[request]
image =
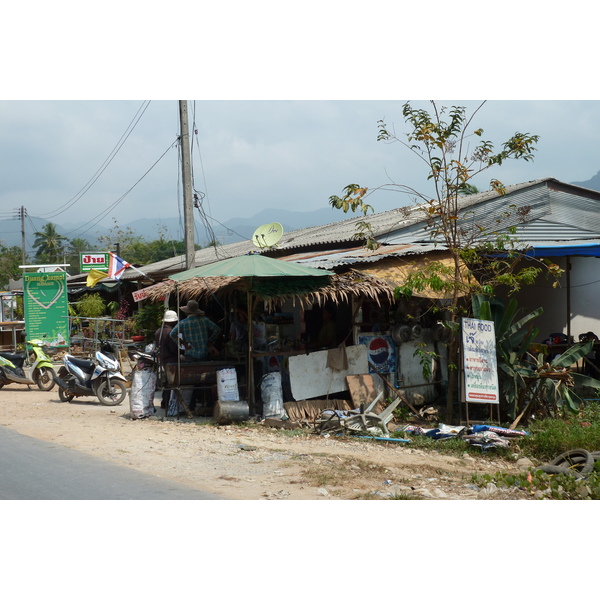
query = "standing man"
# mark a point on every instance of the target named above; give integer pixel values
(196, 331)
(167, 349)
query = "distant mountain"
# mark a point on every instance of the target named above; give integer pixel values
(233, 230)
(236, 229)
(10, 231)
(591, 184)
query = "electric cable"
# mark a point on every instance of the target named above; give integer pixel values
(98, 218)
(102, 167)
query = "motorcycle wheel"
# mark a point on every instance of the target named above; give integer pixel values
(64, 397)
(44, 379)
(111, 393)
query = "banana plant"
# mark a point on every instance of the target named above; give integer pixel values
(527, 380)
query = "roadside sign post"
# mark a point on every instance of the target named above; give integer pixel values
(480, 368)
(46, 307)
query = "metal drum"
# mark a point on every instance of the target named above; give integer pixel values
(230, 412)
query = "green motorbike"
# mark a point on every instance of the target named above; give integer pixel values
(33, 367)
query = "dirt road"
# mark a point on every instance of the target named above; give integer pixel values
(246, 462)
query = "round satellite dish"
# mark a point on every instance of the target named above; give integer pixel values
(267, 236)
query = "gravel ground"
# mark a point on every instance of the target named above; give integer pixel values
(247, 462)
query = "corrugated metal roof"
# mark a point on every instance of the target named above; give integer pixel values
(538, 203)
(338, 258)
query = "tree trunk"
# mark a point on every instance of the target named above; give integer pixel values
(452, 377)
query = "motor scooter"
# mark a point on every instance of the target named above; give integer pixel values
(33, 367)
(100, 377)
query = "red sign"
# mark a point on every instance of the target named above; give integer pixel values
(142, 294)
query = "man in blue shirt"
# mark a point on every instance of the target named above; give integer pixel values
(196, 332)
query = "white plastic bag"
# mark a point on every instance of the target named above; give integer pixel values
(272, 396)
(227, 387)
(141, 394)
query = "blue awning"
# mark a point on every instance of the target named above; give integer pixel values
(566, 250)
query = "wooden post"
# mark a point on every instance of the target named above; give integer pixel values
(250, 366)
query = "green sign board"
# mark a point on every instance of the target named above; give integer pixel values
(46, 307)
(93, 260)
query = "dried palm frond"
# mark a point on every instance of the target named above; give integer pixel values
(341, 287)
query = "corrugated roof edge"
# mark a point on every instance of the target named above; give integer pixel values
(338, 232)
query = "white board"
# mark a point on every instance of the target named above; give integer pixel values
(311, 378)
(479, 361)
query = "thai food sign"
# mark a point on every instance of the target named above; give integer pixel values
(46, 307)
(479, 361)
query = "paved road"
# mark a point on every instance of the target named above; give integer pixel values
(31, 469)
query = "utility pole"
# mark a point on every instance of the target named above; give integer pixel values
(186, 175)
(22, 213)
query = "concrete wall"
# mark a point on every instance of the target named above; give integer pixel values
(585, 299)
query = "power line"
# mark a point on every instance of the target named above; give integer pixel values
(103, 166)
(97, 219)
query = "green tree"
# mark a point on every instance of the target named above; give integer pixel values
(49, 244)
(126, 239)
(145, 253)
(442, 140)
(10, 259)
(73, 249)
(136, 250)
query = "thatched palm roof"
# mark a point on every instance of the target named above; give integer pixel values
(342, 287)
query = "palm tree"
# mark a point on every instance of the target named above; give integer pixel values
(73, 249)
(49, 243)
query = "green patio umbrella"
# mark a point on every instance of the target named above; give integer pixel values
(251, 265)
(265, 276)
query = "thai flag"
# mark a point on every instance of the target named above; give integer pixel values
(116, 266)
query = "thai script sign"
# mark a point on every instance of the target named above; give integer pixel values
(479, 361)
(139, 295)
(93, 260)
(46, 307)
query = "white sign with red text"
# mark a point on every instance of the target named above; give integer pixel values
(139, 295)
(479, 361)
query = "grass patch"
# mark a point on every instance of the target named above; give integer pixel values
(547, 439)
(550, 437)
(544, 486)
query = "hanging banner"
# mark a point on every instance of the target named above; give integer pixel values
(46, 308)
(479, 361)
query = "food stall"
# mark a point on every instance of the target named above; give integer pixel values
(277, 294)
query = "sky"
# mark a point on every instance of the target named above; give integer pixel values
(91, 162)
(285, 103)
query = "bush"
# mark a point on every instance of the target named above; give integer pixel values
(550, 437)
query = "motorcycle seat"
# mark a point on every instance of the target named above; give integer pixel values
(15, 359)
(82, 363)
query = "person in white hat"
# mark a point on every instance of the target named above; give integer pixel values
(197, 331)
(167, 348)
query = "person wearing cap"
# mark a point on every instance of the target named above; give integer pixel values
(196, 332)
(166, 348)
